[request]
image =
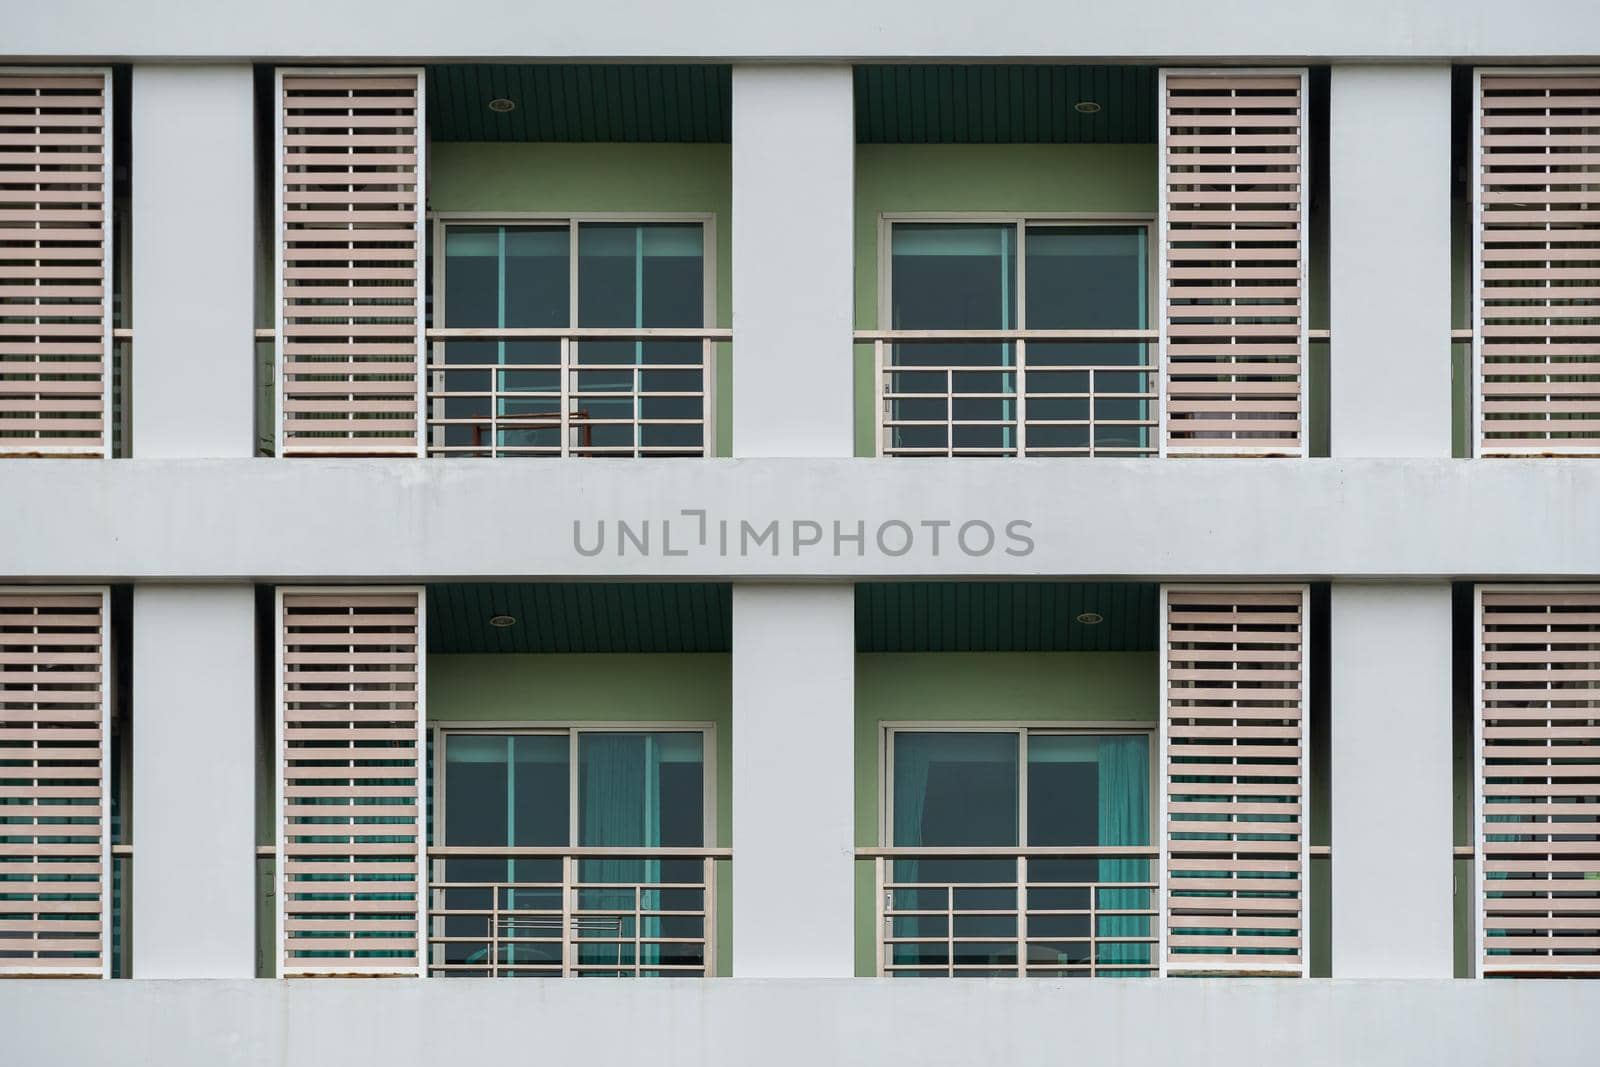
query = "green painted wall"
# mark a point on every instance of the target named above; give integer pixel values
(980, 686)
(603, 688)
(573, 178)
(1023, 178)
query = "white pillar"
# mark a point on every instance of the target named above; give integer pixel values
(1390, 775)
(194, 261)
(1389, 261)
(194, 716)
(793, 781)
(793, 289)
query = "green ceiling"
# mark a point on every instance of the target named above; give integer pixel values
(697, 617)
(580, 617)
(1004, 616)
(895, 104)
(1004, 104)
(581, 102)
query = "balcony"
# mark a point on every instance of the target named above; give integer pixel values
(561, 913)
(997, 912)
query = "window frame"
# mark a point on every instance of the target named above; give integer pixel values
(1022, 729)
(1021, 221)
(570, 729)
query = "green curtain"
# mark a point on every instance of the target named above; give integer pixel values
(1124, 820)
(912, 755)
(618, 806)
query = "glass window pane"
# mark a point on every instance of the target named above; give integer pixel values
(503, 276)
(1086, 790)
(953, 276)
(957, 788)
(506, 789)
(641, 789)
(1086, 278)
(641, 275)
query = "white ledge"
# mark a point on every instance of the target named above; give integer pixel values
(782, 1022)
(265, 519)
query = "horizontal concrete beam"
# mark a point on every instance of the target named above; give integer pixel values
(822, 29)
(783, 1022)
(265, 519)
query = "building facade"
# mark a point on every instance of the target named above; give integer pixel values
(747, 507)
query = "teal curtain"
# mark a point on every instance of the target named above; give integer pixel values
(912, 755)
(618, 806)
(1124, 820)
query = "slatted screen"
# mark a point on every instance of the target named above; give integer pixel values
(1537, 198)
(55, 256)
(1539, 772)
(1233, 211)
(350, 262)
(350, 722)
(55, 852)
(1234, 733)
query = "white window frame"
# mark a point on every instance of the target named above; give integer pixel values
(571, 729)
(1022, 730)
(441, 221)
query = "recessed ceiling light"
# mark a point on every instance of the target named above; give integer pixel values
(502, 621)
(502, 105)
(1083, 107)
(1091, 618)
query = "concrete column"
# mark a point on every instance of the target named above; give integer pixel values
(793, 198)
(194, 701)
(1390, 774)
(793, 781)
(194, 261)
(1389, 261)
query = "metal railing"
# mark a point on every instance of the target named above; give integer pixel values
(612, 912)
(572, 392)
(1015, 392)
(985, 912)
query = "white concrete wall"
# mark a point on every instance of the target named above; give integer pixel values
(194, 698)
(1045, 30)
(600, 1022)
(422, 519)
(193, 261)
(794, 154)
(793, 781)
(1389, 261)
(1390, 777)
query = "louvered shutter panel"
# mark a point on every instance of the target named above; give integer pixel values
(1537, 211)
(1233, 262)
(350, 260)
(1234, 737)
(350, 744)
(55, 845)
(55, 257)
(1539, 779)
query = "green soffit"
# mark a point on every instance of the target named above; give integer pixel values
(1005, 616)
(693, 103)
(697, 617)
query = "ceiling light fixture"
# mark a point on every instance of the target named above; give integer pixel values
(1086, 107)
(502, 621)
(1091, 618)
(501, 105)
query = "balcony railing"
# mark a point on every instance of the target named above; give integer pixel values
(1015, 392)
(608, 912)
(1039, 912)
(572, 392)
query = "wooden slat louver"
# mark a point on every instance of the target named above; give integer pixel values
(1539, 779)
(350, 252)
(1537, 209)
(1233, 256)
(1234, 737)
(55, 848)
(55, 255)
(350, 743)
